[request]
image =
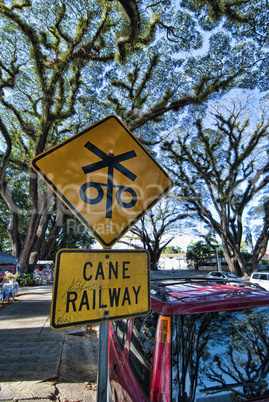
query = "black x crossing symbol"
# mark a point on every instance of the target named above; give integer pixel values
(112, 162)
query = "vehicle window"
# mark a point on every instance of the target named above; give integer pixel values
(255, 276)
(221, 356)
(263, 277)
(229, 275)
(142, 348)
(120, 328)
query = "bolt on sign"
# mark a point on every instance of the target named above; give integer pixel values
(105, 177)
(105, 285)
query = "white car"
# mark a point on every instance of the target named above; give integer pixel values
(223, 275)
(261, 278)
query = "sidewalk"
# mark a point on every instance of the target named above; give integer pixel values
(39, 363)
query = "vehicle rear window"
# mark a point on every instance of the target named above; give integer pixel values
(221, 356)
(120, 328)
(142, 348)
(255, 276)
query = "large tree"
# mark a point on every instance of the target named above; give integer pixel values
(157, 228)
(66, 64)
(222, 169)
(46, 47)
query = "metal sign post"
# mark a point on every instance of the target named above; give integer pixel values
(102, 376)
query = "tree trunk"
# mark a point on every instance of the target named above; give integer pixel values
(233, 258)
(50, 240)
(153, 260)
(32, 228)
(261, 244)
(30, 239)
(13, 234)
(13, 224)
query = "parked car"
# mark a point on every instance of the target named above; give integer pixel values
(223, 275)
(261, 278)
(204, 340)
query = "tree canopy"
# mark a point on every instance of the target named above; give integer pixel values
(64, 65)
(173, 250)
(222, 170)
(157, 228)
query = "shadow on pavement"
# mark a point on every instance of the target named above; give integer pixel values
(29, 354)
(27, 309)
(40, 354)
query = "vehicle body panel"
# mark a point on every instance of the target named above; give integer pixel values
(261, 278)
(220, 297)
(123, 382)
(183, 299)
(223, 275)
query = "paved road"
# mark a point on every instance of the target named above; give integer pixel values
(39, 363)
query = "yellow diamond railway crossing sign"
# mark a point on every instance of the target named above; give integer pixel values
(106, 177)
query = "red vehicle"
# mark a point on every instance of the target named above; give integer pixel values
(204, 340)
(4, 269)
